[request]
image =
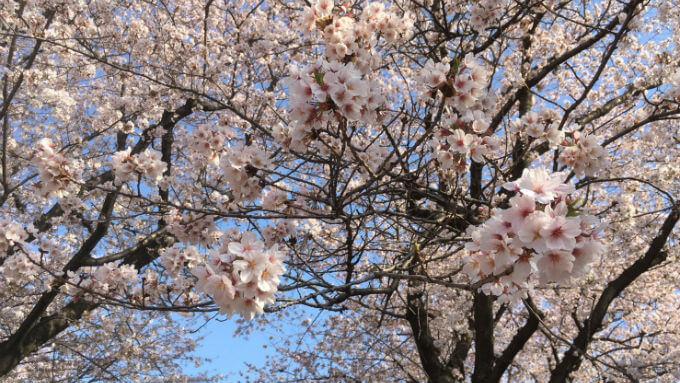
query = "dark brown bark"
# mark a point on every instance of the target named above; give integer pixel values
(484, 326)
(655, 254)
(416, 315)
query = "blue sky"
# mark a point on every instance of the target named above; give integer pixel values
(227, 353)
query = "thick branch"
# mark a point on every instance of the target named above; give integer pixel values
(517, 343)
(47, 328)
(416, 314)
(484, 357)
(654, 255)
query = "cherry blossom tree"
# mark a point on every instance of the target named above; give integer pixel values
(459, 191)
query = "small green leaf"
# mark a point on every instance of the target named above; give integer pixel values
(318, 77)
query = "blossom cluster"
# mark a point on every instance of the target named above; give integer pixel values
(346, 36)
(208, 141)
(484, 14)
(541, 235)
(193, 228)
(129, 167)
(274, 199)
(241, 277)
(454, 147)
(539, 125)
(56, 174)
(469, 85)
(434, 74)
(11, 233)
(465, 135)
(463, 85)
(584, 154)
(278, 232)
(19, 268)
(112, 276)
(105, 279)
(338, 88)
(240, 166)
(673, 92)
(175, 258)
(322, 92)
(580, 152)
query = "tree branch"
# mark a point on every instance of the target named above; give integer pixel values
(654, 255)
